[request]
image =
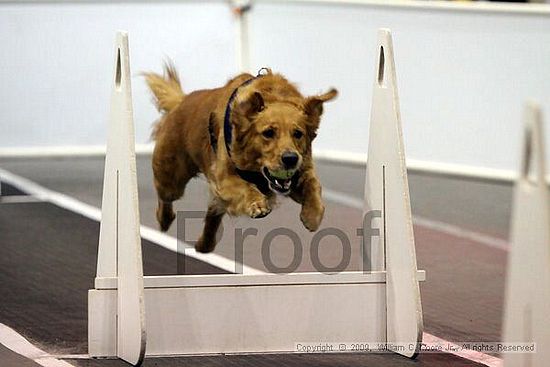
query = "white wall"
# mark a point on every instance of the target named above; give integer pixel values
(463, 75)
(56, 63)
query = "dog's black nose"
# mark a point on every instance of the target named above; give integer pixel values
(290, 159)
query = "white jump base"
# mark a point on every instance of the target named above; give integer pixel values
(131, 316)
(251, 313)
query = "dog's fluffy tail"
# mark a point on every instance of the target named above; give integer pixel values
(167, 92)
(166, 89)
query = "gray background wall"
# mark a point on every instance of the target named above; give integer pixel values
(463, 75)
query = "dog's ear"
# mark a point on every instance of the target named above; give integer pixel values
(313, 106)
(251, 105)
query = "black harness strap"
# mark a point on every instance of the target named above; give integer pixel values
(255, 178)
(227, 128)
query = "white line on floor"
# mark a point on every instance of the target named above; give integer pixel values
(452, 230)
(89, 211)
(12, 340)
(456, 350)
(170, 243)
(431, 224)
(75, 356)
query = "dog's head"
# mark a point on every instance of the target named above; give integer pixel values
(273, 127)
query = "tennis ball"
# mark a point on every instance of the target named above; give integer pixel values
(282, 174)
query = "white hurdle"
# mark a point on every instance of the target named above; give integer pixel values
(119, 250)
(387, 189)
(266, 313)
(527, 303)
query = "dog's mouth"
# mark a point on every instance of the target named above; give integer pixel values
(279, 181)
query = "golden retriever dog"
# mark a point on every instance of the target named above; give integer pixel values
(251, 139)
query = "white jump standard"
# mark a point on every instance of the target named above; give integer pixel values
(131, 316)
(527, 302)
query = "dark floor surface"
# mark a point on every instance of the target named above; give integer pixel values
(9, 190)
(479, 206)
(295, 360)
(48, 263)
(8, 358)
(476, 205)
(462, 297)
(53, 315)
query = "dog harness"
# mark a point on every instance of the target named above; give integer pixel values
(256, 178)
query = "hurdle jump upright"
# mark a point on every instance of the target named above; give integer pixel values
(527, 302)
(119, 250)
(237, 313)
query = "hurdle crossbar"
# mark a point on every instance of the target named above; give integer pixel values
(260, 313)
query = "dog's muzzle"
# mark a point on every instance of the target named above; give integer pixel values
(279, 181)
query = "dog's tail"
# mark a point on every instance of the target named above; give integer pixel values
(166, 89)
(167, 92)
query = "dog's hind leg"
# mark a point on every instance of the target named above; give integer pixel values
(207, 241)
(171, 175)
(165, 214)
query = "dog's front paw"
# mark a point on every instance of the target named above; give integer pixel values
(312, 215)
(259, 208)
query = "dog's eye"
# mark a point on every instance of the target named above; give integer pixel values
(298, 134)
(268, 133)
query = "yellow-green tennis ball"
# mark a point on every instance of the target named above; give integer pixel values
(282, 174)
